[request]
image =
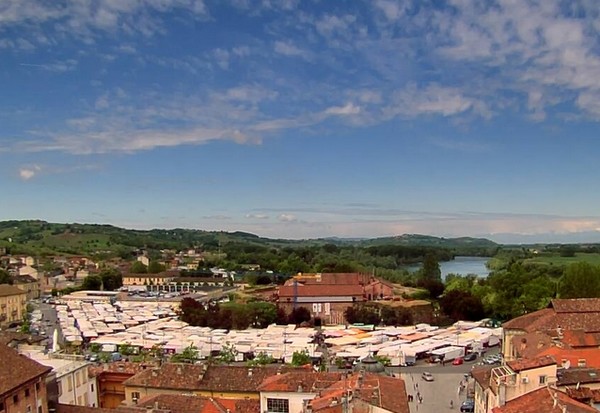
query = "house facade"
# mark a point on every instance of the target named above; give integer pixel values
(23, 385)
(13, 305)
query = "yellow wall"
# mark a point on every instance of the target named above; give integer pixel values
(12, 308)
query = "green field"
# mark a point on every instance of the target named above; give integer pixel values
(556, 259)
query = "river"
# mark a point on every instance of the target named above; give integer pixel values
(462, 266)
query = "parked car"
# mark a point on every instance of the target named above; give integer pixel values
(457, 361)
(468, 406)
(427, 376)
(471, 357)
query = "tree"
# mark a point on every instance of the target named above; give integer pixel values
(227, 354)
(138, 268)
(5, 278)
(431, 268)
(155, 267)
(462, 305)
(112, 279)
(92, 282)
(299, 315)
(580, 280)
(188, 355)
(300, 358)
(261, 359)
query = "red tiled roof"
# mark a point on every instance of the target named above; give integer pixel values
(591, 356)
(584, 394)
(542, 401)
(528, 364)
(576, 305)
(178, 403)
(124, 367)
(321, 290)
(579, 338)
(573, 314)
(305, 381)
(573, 376)
(482, 375)
(381, 391)
(7, 290)
(17, 369)
(203, 377)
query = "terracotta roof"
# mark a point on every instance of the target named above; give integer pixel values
(321, 290)
(381, 391)
(574, 356)
(584, 394)
(576, 305)
(178, 403)
(542, 401)
(528, 364)
(8, 337)
(482, 375)
(579, 338)
(203, 377)
(124, 367)
(337, 278)
(306, 381)
(8, 290)
(529, 345)
(574, 314)
(22, 369)
(576, 375)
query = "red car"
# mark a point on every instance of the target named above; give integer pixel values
(458, 361)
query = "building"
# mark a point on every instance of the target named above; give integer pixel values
(110, 378)
(70, 377)
(22, 383)
(578, 318)
(544, 400)
(225, 382)
(29, 284)
(13, 305)
(291, 391)
(161, 278)
(362, 393)
(328, 295)
(495, 387)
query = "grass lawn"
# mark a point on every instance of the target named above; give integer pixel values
(593, 259)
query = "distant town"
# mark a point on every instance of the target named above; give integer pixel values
(236, 323)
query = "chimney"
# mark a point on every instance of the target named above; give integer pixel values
(249, 372)
(299, 388)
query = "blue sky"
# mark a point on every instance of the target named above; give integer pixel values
(301, 119)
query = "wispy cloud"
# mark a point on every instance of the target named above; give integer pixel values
(257, 216)
(56, 66)
(26, 173)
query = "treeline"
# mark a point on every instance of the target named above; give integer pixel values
(238, 316)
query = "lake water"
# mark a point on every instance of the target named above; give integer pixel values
(462, 266)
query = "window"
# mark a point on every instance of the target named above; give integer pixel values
(92, 387)
(28, 409)
(542, 379)
(70, 383)
(1, 406)
(37, 386)
(278, 405)
(135, 396)
(59, 384)
(16, 399)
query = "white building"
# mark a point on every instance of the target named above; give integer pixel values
(75, 386)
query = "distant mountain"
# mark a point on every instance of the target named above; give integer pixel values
(44, 238)
(583, 237)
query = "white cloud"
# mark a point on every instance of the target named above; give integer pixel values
(289, 49)
(431, 100)
(348, 109)
(26, 173)
(287, 218)
(56, 66)
(390, 8)
(257, 216)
